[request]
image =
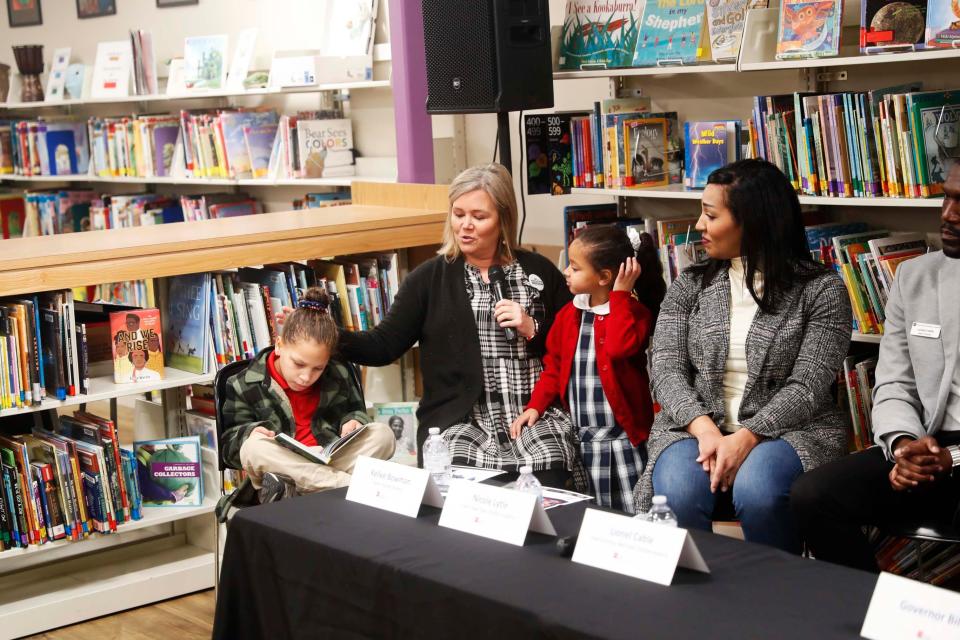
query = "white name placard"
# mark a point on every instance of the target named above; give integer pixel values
(903, 608)
(398, 488)
(635, 548)
(493, 512)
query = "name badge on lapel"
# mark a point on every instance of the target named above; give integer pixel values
(924, 330)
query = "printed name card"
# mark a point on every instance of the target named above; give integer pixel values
(493, 512)
(398, 488)
(635, 547)
(903, 608)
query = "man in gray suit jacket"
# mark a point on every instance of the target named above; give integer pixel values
(915, 471)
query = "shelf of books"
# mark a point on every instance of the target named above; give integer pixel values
(85, 510)
(344, 181)
(197, 95)
(678, 192)
(104, 388)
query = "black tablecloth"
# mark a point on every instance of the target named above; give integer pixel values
(321, 567)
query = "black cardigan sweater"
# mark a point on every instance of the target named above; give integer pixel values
(432, 306)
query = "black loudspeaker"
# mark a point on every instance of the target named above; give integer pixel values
(486, 56)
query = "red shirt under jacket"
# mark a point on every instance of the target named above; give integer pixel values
(620, 338)
(304, 403)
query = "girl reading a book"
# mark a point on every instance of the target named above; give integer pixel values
(747, 346)
(296, 388)
(596, 362)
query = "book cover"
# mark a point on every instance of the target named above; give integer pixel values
(892, 25)
(169, 472)
(187, 313)
(205, 62)
(600, 33)
(349, 28)
(324, 144)
(670, 33)
(164, 143)
(706, 150)
(401, 417)
(935, 120)
(260, 142)
(234, 123)
(202, 426)
(647, 152)
(112, 69)
(137, 345)
(12, 214)
(61, 153)
(809, 29)
(537, 162)
(725, 22)
(943, 24)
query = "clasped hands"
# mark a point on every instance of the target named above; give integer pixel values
(917, 462)
(721, 455)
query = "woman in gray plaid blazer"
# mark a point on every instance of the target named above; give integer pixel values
(745, 351)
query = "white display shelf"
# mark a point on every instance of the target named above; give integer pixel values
(758, 52)
(103, 583)
(15, 559)
(344, 181)
(677, 192)
(200, 95)
(669, 70)
(104, 388)
(873, 338)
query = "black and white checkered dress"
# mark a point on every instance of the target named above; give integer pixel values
(509, 375)
(613, 464)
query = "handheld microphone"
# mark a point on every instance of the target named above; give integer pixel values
(498, 282)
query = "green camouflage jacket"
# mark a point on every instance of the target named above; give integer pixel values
(255, 399)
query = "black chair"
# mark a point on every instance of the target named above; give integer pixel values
(920, 531)
(219, 397)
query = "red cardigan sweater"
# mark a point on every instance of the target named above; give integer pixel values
(620, 338)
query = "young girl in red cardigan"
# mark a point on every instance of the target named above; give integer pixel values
(596, 361)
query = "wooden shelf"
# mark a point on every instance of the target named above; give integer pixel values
(104, 388)
(396, 221)
(200, 95)
(15, 559)
(677, 192)
(344, 181)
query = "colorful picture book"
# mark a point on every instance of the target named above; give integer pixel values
(646, 143)
(709, 146)
(136, 337)
(186, 313)
(600, 34)
(325, 148)
(725, 22)
(892, 25)
(401, 417)
(809, 29)
(205, 62)
(670, 34)
(537, 162)
(170, 472)
(943, 24)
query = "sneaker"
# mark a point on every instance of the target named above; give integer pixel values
(274, 487)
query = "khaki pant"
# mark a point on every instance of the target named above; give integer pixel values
(259, 454)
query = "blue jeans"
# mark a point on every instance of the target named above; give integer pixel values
(761, 491)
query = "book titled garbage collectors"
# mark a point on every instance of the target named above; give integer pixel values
(170, 472)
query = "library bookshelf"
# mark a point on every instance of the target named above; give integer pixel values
(720, 91)
(173, 551)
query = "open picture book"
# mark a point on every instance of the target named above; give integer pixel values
(329, 451)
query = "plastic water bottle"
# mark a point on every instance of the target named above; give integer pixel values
(661, 513)
(528, 483)
(436, 459)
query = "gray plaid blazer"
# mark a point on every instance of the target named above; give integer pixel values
(793, 357)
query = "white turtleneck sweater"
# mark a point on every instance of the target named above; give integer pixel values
(743, 308)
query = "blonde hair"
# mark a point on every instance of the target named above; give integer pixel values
(496, 182)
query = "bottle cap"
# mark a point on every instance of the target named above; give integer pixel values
(526, 469)
(659, 500)
(434, 431)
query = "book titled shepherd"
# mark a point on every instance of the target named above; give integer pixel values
(329, 451)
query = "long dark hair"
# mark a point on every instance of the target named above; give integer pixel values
(607, 246)
(765, 205)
